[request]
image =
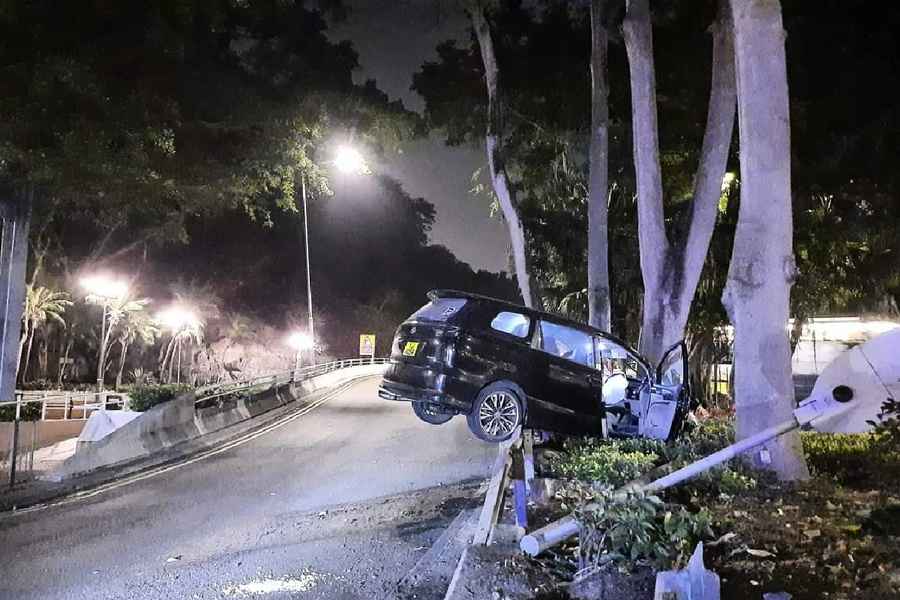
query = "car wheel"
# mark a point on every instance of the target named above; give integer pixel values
(429, 415)
(496, 413)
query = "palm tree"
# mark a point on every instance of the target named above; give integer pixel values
(134, 325)
(191, 332)
(119, 311)
(42, 305)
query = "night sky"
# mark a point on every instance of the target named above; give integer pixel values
(393, 38)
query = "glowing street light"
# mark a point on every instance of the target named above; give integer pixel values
(299, 341)
(103, 290)
(178, 318)
(349, 160)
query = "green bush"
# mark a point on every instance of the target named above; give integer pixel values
(849, 456)
(30, 411)
(639, 528)
(144, 397)
(607, 462)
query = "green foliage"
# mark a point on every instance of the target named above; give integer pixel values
(887, 428)
(851, 457)
(28, 412)
(612, 463)
(639, 528)
(145, 397)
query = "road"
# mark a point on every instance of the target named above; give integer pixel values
(338, 503)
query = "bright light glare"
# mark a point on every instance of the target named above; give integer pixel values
(104, 286)
(177, 318)
(349, 160)
(727, 180)
(300, 341)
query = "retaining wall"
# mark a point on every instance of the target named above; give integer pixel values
(165, 426)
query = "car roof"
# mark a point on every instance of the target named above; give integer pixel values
(539, 314)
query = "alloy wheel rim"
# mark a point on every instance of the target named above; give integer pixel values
(499, 414)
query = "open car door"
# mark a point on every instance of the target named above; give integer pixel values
(664, 402)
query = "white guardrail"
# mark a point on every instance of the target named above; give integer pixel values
(63, 405)
(256, 385)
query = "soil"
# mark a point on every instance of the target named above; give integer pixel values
(820, 539)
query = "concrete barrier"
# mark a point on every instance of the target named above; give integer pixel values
(167, 425)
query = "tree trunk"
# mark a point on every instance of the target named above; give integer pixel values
(167, 357)
(23, 339)
(43, 356)
(61, 371)
(31, 330)
(497, 158)
(762, 269)
(599, 311)
(123, 345)
(671, 272)
(654, 246)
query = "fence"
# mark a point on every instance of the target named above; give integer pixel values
(54, 405)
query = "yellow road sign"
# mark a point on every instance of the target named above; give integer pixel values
(367, 344)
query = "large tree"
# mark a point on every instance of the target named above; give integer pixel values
(122, 121)
(599, 304)
(495, 141)
(762, 269)
(671, 268)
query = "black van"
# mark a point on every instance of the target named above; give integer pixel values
(503, 365)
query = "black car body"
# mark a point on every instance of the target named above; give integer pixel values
(503, 365)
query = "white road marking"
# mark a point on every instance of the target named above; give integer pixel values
(75, 497)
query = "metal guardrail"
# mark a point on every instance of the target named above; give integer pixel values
(256, 385)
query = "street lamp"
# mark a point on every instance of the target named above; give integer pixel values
(348, 160)
(299, 341)
(181, 321)
(103, 290)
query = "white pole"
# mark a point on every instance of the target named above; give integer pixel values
(554, 533)
(309, 304)
(102, 348)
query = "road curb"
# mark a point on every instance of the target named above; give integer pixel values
(433, 572)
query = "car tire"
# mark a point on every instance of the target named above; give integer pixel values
(429, 415)
(496, 413)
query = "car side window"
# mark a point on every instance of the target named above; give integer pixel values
(512, 323)
(568, 343)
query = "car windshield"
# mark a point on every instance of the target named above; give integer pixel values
(440, 309)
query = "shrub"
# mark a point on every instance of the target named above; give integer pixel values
(30, 411)
(634, 528)
(607, 462)
(849, 457)
(887, 428)
(144, 397)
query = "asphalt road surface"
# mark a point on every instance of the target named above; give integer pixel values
(338, 503)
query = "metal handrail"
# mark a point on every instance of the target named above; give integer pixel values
(266, 382)
(54, 399)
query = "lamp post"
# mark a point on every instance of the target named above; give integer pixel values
(103, 290)
(347, 160)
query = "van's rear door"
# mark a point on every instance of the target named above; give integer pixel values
(422, 338)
